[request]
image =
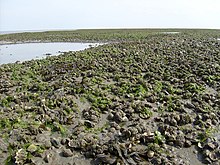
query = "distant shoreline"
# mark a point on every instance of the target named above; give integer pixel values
(45, 30)
(22, 31)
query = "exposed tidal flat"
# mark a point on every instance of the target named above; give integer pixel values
(146, 97)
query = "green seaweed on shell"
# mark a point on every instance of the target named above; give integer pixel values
(158, 137)
(146, 111)
(4, 102)
(9, 160)
(139, 90)
(203, 136)
(194, 87)
(56, 127)
(158, 86)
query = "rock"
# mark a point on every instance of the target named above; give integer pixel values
(67, 153)
(89, 124)
(64, 141)
(72, 144)
(206, 153)
(179, 142)
(55, 142)
(144, 116)
(173, 122)
(48, 156)
(211, 145)
(47, 144)
(32, 148)
(120, 116)
(110, 116)
(94, 118)
(150, 154)
(200, 145)
(20, 156)
(106, 158)
(207, 161)
(188, 143)
(189, 105)
(213, 157)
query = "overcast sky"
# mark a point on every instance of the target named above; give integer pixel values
(77, 14)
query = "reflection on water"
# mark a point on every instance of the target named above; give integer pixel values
(28, 51)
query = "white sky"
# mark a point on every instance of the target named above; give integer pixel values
(76, 14)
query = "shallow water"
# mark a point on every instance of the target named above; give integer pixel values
(27, 51)
(170, 32)
(20, 31)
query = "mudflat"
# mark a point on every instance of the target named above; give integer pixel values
(146, 97)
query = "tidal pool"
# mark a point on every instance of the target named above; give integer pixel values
(27, 51)
(170, 32)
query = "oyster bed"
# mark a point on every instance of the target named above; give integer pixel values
(153, 101)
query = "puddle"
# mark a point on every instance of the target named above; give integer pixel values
(27, 51)
(170, 32)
